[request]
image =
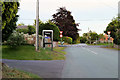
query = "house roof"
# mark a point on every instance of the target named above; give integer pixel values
(22, 27)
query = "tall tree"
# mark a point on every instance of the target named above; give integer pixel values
(21, 24)
(9, 18)
(91, 36)
(114, 28)
(66, 23)
(101, 36)
(94, 36)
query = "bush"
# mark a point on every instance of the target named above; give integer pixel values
(74, 42)
(83, 39)
(67, 40)
(25, 31)
(50, 26)
(31, 29)
(16, 39)
(87, 42)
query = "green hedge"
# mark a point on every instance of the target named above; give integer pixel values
(50, 26)
(67, 39)
(30, 30)
(25, 31)
(83, 39)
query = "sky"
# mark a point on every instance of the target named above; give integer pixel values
(92, 14)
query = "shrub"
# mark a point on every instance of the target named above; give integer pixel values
(50, 26)
(64, 39)
(16, 39)
(87, 42)
(31, 29)
(83, 39)
(25, 31)
(67, 39)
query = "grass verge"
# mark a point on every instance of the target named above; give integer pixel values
(0, 52)
(105, 44)
(108, 46)
(28, 52)
(111, 48)
(14, 73)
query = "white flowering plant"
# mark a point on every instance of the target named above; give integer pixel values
(16, 39)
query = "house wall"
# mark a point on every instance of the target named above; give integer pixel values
(31, 39)
(105, 39)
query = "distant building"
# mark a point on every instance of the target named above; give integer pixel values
(105, 39)
(22, 27)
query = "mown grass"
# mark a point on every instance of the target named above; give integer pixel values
(15, 73)
(0, 52)
(113, 48)
(105, 44)
(28, 52)
(111, 44)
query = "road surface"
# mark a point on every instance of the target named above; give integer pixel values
(44, 69)
(82, 61)
(90, 62)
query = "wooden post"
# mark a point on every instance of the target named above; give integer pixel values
(37, 25)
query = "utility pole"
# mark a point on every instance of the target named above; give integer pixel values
(37, 25)
(119, 11)
(89, 37)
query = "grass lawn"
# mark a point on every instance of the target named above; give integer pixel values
(112, 48)
(108, 46)
(0, 52)
(28, 52)
(14, 73)
(111, 44)
(105, 44)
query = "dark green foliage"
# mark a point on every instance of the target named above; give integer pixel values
(31, 29)
(77, 39)
(83, 39)
(25, 31)
(85, 35)
(101, 36)
(8, 29)
(114, 28)
(50, 26)
(67, 39)
(93, 36)
(16, 39)
(66, 23)
(9, 18)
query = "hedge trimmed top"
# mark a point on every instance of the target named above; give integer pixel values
(43, 26)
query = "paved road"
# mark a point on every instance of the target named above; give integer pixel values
(81, 62)
(82, 45)
(86, 62)
(45, 69)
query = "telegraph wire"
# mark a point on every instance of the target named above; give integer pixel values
(113, 8)
(79, 20)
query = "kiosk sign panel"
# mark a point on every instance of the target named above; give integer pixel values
(47, 38)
